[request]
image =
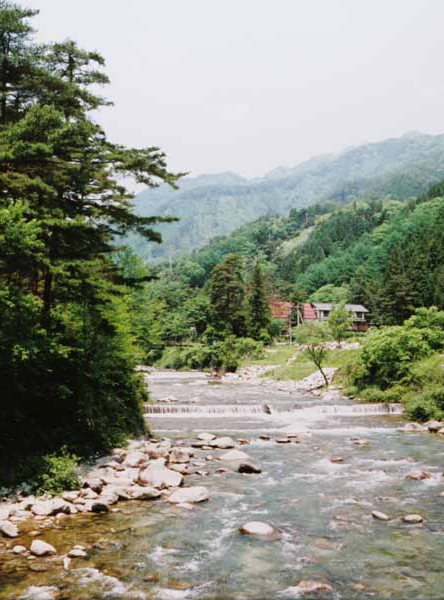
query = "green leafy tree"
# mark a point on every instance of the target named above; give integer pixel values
(258, 304)
(313, 337)
(339, 322)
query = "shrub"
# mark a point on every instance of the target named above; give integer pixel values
(52, 473)
(427, 405)
(388, 354)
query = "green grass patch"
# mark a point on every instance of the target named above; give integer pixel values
(302, 367)
(276, 355)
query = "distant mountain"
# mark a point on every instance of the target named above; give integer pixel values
(214, 205)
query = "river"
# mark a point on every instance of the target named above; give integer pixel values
(322, 509)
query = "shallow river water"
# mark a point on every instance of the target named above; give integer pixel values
(322, 509)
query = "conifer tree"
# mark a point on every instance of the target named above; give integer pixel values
(227, 296)
(258, 304)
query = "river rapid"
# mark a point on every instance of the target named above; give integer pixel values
(322, 509)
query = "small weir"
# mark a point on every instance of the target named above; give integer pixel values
(236, 410)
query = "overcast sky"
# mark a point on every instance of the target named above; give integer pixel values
(249, 85)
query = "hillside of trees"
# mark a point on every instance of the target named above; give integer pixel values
(399, 169)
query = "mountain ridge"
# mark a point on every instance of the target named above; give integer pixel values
(211, 205)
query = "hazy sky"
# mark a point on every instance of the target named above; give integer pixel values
(248, 85)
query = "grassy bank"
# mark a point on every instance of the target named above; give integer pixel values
(289, 363)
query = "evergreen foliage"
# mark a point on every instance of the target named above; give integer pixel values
(258, 305)
(67, 349)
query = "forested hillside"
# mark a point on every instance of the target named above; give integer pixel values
(213, 205)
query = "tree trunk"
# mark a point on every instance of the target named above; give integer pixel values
(47, 296)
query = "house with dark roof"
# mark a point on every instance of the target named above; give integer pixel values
(320, 311)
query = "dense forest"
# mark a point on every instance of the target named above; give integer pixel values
(67, 351)
(398, 168)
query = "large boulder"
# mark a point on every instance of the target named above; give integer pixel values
(413, 428)
(135, 458)
(5, 512)
(224, 443)
(189, 495)
(8, 529)
(50, 507)
(258, 528)
(433, 426)
(160, 477)
(179, 455)
(41, 548)
(206, 437)
(234, 455)
(139, 492)
(160, 450)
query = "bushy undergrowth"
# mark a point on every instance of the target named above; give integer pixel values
(51, 473)
(223, 355)
(404, 364)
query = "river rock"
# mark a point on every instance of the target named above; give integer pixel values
(233, 455)
(206, 437)
(180, 468)
(413, 428)
(248, 468)
(179, 455)
(139, 492)
(99, 506)
(41, 548)
(160, 450)
(441, 431)
(224, 443)
(413, 519)
(8, 529)
(119, 454)
(5, 512)
(418, 475)
(70, 496)
(336, 459)
(257, 528)
(94, 483)
(310, 587)
(50, 507)
(380, 516)
(433, 426)
(135, 459)
(160, 477)
(77, 553)
(189, 495)
(44, 592)
(19, 549)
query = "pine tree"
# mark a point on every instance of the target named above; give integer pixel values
(258, 304)
(67, 349)
(227, 297)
